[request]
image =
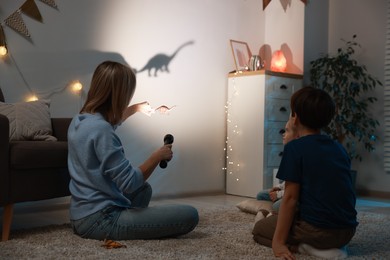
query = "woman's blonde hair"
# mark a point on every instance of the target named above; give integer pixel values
(112, 87)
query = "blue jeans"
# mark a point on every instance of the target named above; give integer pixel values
(264, 195)
(138, 222)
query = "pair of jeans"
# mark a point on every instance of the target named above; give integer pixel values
(302, 232)
(139, 221)
(264, 195)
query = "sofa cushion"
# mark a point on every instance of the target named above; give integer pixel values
(28, 120)
(1, 96)
(253, 206)
(38, 154)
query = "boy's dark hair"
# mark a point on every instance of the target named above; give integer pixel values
(314, 107)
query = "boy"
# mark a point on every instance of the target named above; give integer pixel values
(316, 170)
(276, 193)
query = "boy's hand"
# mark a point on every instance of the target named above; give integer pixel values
(281, 250)
(273, 195)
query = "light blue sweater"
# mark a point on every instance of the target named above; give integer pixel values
(101, 175)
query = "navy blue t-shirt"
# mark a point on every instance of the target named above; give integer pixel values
(322, 168)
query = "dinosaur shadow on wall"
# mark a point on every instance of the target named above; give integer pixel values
(161, 61)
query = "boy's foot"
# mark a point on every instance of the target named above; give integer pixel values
(263, 213)
(332, 253)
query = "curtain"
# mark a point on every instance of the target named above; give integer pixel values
(387, 94)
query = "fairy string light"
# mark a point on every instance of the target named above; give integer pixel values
(74, 86)
(232, 165)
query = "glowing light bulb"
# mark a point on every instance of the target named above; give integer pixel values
(31, 98)
(3, 51)
(76, 87)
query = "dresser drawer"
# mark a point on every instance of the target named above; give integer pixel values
(274, 155)
(279, 87)
(278, 109)
(274, 132)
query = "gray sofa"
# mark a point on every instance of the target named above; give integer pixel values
(32, 170)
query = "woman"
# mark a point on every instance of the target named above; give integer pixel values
(110, 196)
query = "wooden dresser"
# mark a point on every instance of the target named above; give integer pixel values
(257, 109)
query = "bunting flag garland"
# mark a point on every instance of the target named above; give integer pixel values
(50, 3)
(30, 8)
(15, 21)
(2, 37)
(266, 2)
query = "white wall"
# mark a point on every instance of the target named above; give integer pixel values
(366, 19)
(316, 33)
(327, 22)
(284, 30)
(73, 39)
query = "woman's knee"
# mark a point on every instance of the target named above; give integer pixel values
(189, 215)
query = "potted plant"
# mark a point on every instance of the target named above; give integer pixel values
(349, 84)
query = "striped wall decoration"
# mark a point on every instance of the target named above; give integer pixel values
(15, 20)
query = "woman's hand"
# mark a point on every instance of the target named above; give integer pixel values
(165, 152)
(162, 153)
(142, 107)
(145, 108)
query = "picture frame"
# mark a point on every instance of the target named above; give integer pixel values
(241, 54)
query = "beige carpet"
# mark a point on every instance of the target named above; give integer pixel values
(223, 233)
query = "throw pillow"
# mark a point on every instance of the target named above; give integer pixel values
(28, 120)
(253, 206)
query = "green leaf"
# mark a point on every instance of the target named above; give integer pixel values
(348, 82)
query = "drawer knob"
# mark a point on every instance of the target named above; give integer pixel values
(283, 109)
(283, 86)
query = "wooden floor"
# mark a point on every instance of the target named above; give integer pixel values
(42, 213)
